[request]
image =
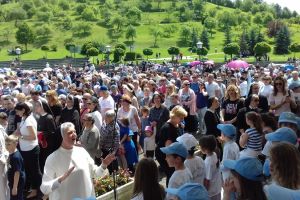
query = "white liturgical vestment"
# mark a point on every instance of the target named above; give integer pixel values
(79, 184)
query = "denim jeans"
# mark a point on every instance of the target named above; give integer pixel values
(201, 125)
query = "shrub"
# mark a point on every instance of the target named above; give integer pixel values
(130, 56)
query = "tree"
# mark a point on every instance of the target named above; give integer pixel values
(260, 37)
(130, 33)
(45, 49)
(134, 16)
(88, 14)
(156, 33)
(185, 35)
(92, 52)
(24, 35)
(204, 39)
(173, 51)
(273, 27)
(82, 29)
(118, 53)
(231, 48)
(261, 49)
(168, 30)
(252, 41)
(295, 47)
(227, 36)
(202, 51)
(282, 41)
(244, 48)
(44, 16)
(226, 19)
(17, 14)
(210, 23)
(147, 52)
(258, 18)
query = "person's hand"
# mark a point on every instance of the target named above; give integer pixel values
(153, 124)
(66, 175)
(228, 186)
(220, 139)
(14, 191)
(288, 100)
(17, 133)
(108, 159)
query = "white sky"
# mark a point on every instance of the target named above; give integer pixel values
(291, 4)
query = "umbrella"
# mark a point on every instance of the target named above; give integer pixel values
(196, 62)
(209, 62)
(237, 64)
(289, 67)
(47, 69)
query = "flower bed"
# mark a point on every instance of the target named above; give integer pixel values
(104, 186)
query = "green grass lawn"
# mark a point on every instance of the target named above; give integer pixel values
(143, 40)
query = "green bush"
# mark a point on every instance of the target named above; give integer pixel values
(64, 5)
(130, 56)
(53, 47)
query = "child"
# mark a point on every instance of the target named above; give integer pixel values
(231, 150)
(16, 171)
(251, 139)
(149, 142)
(194, 163)
(212, 180)
(176, 154)
(145, 122)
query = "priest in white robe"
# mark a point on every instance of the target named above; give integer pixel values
(69, 171)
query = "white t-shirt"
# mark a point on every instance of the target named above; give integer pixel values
(28, 145)
(244, 88)
(278, 99)
(266, 90)
(213, 174)
(130, 115)
(231, 151)
(179, 178)
(197, 167)
(211, 88)
(98, 119)
(107, 103)
(149, 143)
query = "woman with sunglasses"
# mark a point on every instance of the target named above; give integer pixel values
(54, 105)
(282, 99)
(93, 106)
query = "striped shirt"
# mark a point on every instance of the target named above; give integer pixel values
(254, 139)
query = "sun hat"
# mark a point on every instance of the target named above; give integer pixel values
(283, 134)
(288, 117)
(189, 191)
(148, 128)
(227, 129)
(188, 140)
(249, 168)
(294, 85)
(175, 148)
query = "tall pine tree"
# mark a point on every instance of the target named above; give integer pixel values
(204, 39)
(252, 41)
(260, 37)
(227, 36)
(194, 38)
(244, 48)
(282, 41)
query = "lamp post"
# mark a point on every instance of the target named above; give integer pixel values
(199, 47)
(18, 52)
(107, 51)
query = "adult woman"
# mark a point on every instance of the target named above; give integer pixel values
(29, 147)
(285, 182)
(90, 137)
(146, 99)
(269, 123)
(54, 104)
(201, 103)
(46, 126)
(188, 102)
(231, 105)
(27, 86)
(146, 185)
(168, 134)
(170, 91)
(130, 112)
(128, 90)
(93, 106)
(158, 114)
(211, 117)
(282, 99)
(267, 89)
(263, 101)
(71, 113)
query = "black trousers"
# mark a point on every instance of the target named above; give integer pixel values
(32, 167)
(113, 165)
(161, 159)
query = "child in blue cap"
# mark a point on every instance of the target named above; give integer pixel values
(231, 150)
(246, 179)
(176, 154)
(189, 191)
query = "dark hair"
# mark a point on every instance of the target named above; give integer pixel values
(178, 156)
(94, 100)
(251, 86)
(21, 106)
(160, 96)
(192, 151)
(210, 101)
(209, 143)
(269, 120)
(146, 180)
(251, 190)
(255, 118)
(279, 78)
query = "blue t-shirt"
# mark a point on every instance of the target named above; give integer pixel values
(16, 164)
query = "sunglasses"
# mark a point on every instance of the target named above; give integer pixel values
(256, 100)
(186, 84)
(278, 84)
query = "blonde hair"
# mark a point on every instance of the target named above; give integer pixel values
(21, 97)
(11, 139)
(178, 111)
(232, 87)
(53, 98)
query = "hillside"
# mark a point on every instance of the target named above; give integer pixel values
(57, 22)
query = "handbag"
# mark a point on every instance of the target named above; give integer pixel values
(42, 140)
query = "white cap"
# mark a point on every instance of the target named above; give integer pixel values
(188, 140)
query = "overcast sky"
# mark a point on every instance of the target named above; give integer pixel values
(291, 4)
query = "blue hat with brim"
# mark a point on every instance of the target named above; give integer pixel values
(189, 191)
(283, 134)
(175, 148)
(288, 117)
(103, 88)
(294, 85)
(249, 168)
(227, 129)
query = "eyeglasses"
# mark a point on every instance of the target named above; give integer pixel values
(86, 120)
(186, 84)
(279, 83)
(89, 103)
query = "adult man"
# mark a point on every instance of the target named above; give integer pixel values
(212, 87)
(13, 119)
(68, 171)
(294, 79)
(106, 102)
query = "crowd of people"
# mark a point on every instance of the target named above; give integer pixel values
(60, 129)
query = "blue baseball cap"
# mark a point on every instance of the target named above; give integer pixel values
(227, 129)
(103, 88)
(277, 192)
(249, 168)
(189, 191)
(288, 117)
(175, 148)
(283, 134)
